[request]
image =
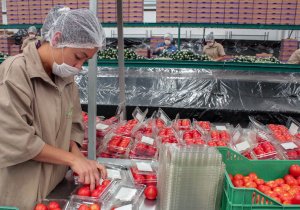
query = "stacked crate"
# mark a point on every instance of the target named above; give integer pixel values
(136, 11)
(46, 6)
(217, 11)
(35, 12)
(190, 11)
(100, 13)
(203, 11)
(83, 4)
(163, 11)
(288, 46)
(12, 12)
(297, 16)
(231, 11)
(109, 11)
(274, 12)
(73, 4)
(288, 12)
(259, 12)
(245, 11)
(176, 11)
(1, 21)
(3, 43)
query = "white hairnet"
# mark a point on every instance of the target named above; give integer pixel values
(210, 37)
(32, 29)
(168, 35)
(52, 16)
(79, 28)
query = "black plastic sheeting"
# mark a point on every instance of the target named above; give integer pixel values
(218, 96)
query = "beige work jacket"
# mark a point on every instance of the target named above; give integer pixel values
(33, 111)
(215, 51)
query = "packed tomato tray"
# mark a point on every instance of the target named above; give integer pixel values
(141, 138)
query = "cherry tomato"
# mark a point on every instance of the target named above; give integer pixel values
(84, 207)
(41, 206)
(95, 207)
(150, 192)
(84, 191)
(295, 170)
(53, 205)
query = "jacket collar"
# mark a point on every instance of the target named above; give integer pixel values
(35, 67)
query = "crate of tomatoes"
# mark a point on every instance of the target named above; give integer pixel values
(260, 184)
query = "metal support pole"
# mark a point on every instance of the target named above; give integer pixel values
(92, 104)
(179, 32)
(122, 98)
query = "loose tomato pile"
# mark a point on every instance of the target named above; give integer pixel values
(96, 193)
(285, 190)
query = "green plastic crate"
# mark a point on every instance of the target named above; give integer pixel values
(8, 208)
(247, 198)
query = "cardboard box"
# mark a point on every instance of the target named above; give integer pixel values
(190, 14)
(162, 20)
(257, 20)
(260, 5)
(189, 19)
(245, 16)
(190, 10)
(245, 21)
(231, 11)
(220, 15)
(212, 10)
(217, 20)
(273, 16)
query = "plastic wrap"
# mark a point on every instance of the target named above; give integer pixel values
(198, 88)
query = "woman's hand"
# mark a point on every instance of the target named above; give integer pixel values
(89, 171)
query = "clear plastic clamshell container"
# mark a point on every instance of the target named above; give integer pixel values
(123, 195)
(143, 172)
(77, 201)
(98, 192)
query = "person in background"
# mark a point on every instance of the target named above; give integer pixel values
(32, 37)
(41, 121)
(213, 49)
(167, 45)
(295, 57)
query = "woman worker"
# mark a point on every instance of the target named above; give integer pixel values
(41, 122)
(213, 49)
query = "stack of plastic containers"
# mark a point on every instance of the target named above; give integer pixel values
(190, 177)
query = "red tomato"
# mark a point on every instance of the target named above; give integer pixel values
(279, 181)
(288, 177)
(41, 206)
(253, 176)
(56, 209)
(84, 191)
(296, 199)
(238, 183)
(246, 179)
(278, 190)
(151, 179)
(95, 207)
(53, 205)
(285, 187)
(238, 176)
(250, 184)
(286, 196)
(272, 184)
(295, 170)
(106, 182)
(96, 193)
(84, 207)
(263, 188)
(151, 192)
(259, 181)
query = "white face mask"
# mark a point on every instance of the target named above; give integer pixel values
(31, 36)
(64, 70)
(167, 42)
